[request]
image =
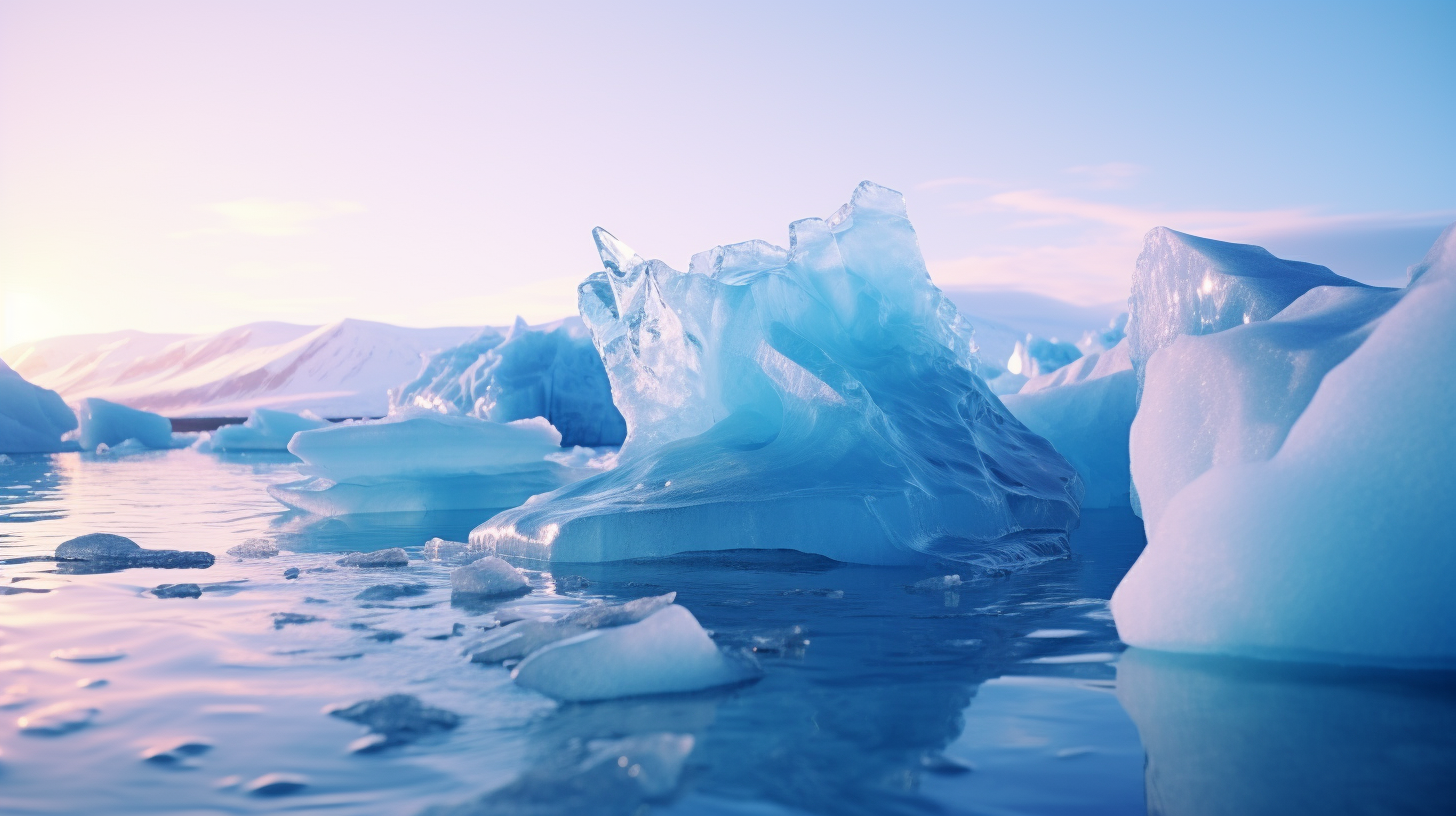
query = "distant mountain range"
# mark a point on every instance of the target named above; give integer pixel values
(346, 369)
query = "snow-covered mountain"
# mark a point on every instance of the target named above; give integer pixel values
(339, 370)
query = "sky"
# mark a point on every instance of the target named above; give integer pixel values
(186, 167)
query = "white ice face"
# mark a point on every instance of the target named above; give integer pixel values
(820, 398)
(1294, 475)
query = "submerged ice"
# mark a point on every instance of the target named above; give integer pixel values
(820, 398)
(1293, 475)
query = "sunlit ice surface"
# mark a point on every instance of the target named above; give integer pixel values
(1004, 695)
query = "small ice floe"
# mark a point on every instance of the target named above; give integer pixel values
(397, 719)
(438, 549)
(667, 652)
(254, 548)
(490, 576)
(176, 753)
(518, 639)
(83, 655)
(937, 584)
(177, 591)
(282, 619)
(389, 592)
(104, 551)
(392, 557)
(276, 784)
(58, 719)
(290, 573)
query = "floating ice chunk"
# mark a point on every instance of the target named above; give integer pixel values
(1300, 512)
(389, 592)
(392, 557)
(1085, 410)
(1186, 285)
(55, 720)
(438, 549)
(555, 374)
(264, 430)
(763, 411)
(276, 784)
(254, 548)
(177, 591)
(110, 424)
(520, 638)
(665, 653)
(488, 576)
(424, 462)
(104, 552)
(32, 419)
(397, 719)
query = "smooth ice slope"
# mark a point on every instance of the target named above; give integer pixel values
(1085, 409)
(1319, 529)
(819, 398)
(552, 372)
(106, 423)
(265, 430)
(1186, 285)
(32, 419)
(425, 461)
(667, 653)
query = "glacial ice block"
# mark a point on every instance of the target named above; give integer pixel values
(1085, 409)
(106, 423)
(1187, 285)
(265, 430)
(667, 653)
(1296, 475)
(32, 419)
(555, 374)
(422, 461)
(820, 398)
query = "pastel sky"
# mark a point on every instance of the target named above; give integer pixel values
(188, 166)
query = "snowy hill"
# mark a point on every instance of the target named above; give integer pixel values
(342, 369)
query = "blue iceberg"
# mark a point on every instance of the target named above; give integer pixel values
(1295, 478)
(107, 423)
(32, 419)
(265, 430)
(820, 398)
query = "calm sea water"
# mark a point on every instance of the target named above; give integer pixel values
(1008, 695)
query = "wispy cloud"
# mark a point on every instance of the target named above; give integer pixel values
(1109, 175)
(268, 217)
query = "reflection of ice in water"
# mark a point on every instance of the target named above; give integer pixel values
(1228, 736)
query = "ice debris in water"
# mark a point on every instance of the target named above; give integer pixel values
(84, 655)
(552, 373)
(397, 719)
(390, 592)
(32, 419)
(519, 638)
(254, 548)
(264, 430)
(1085, 410)
(110, 424)
(667, 652)
(937, 584)
(107, 551)
(420, 461)
(1295, 477)
(392, 557)
(276, 784)
(177, 591)
(438, 549)
(57, 719)
(821, 398)
(488, 576)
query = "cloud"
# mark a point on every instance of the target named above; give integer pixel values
(1108, 176)
(261, 216)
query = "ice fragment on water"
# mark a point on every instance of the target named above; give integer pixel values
(488, 576)
(393, 557)
(254, 548)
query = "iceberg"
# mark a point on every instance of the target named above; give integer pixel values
(820, 398)
(423, 461)
(489, 576)
(556, 374)
(109, 424)
(1085, 409)
(265, 430)
(668, 652)
(1295, 473)
(32, 419)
